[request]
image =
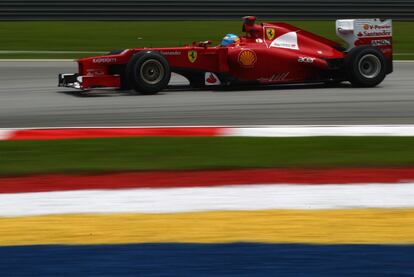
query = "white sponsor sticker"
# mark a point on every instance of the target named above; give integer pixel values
(287, 41)
(359, 31)
(274, 78)
(306, 60)
(171, 53)
(373, 29)
(381, 42)
(104, 60)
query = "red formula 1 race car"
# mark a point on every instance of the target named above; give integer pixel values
(269, 53)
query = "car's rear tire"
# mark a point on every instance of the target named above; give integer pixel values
(148, 72)
(365, 66)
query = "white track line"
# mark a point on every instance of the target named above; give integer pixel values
(313, 131)
(255, 197)
(267, 131)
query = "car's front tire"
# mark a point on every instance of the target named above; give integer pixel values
(148, 72)
(365, 66)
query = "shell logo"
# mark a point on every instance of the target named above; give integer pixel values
(366, 26)
(247, 58)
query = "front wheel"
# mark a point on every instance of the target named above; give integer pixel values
(148, 72)
(365, 66)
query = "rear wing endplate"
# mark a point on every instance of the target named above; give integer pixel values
(374, 32)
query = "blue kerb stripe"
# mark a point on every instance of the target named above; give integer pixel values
(243, 259)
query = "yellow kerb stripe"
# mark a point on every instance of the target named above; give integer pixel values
(365, 226)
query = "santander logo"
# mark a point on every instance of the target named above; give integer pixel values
(375, 29)
(211, 79)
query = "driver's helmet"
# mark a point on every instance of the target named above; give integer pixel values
(230, 39)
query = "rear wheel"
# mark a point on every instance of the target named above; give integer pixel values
(148, 72)
(365, 66)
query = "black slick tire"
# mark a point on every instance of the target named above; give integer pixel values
(148, 72)
(365, 66)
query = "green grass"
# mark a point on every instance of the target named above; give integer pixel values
(103, 155)
(107, 35)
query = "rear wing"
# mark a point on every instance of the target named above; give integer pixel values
(374, 32)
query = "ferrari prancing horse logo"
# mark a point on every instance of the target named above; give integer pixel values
(192, 56)
(270, 33)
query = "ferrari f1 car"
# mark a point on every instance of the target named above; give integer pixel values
(268, 53)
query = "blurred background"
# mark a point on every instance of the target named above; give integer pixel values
(74, 202)
(106, 25)
(203, 10)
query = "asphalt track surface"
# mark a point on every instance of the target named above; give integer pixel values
(29, 97)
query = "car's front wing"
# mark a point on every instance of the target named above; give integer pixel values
(88, 82)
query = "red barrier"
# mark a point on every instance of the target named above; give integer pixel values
(78, 133)
(204, 178)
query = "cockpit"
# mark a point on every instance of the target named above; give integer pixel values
(252, 30)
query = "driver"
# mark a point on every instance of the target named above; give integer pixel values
(230, 39)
